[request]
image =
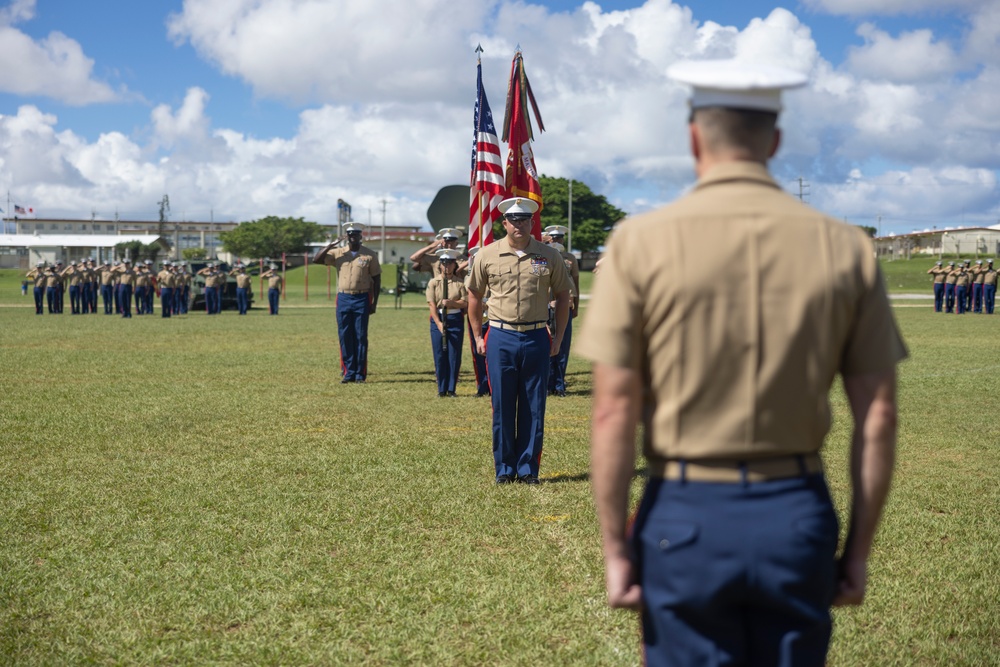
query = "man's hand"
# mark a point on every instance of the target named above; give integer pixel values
(852, 577)
(555, 345)
(480, 346)
(620, 580)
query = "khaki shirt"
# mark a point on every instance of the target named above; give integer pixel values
(274, 281)
(244, 281)
(951, 276)
(435, 290)
(573, 266)
(519, 286)
(355, 271)
(939, 273)
(962, 279)
(739, 367)
(37, 276)
(126, 276)
(165, 279)
(990, 277)
(143, 277)
(53, 279)
(74, 276)
(977, 275)
(107, 277)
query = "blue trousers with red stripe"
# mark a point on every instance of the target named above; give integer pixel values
(353, 311)
(479, 363)
(518, 367)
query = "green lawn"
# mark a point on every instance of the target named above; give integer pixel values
(203, 491)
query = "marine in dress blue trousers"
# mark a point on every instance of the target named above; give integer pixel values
(938, 296)
(448, 362)
(353, 311)
(518, 366)
(520, 273)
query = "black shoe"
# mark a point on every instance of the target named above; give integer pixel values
(528, 479)
(346, 381)
(505, 479)
(360, 381)
(480, 394)
(451, 394)
(441, 394)
(560, 394)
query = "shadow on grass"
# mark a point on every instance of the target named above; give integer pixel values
(583, 477)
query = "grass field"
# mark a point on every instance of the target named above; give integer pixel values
(203, 491)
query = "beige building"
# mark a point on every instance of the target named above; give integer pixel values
(949, 241)
(178, 234)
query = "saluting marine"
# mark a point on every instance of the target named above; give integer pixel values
(37, 277)
(426, 259)
(165, 283)
(359, 280)
(949, 287)
(244, 288)
(447, 299)
(989, 287)
(108, 277)
(939, 273)
(274, 281)
(126, 281)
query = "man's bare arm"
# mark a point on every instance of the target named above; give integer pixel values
(617, 399)
(873, 453)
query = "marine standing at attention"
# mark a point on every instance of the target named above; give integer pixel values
(520, 273)
(447, 299)
(359, 279)
(728, 365)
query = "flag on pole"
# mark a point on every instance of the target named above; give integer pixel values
(19, 209)
(521, 178)
(487, 184)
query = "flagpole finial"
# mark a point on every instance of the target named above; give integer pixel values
(479, 48)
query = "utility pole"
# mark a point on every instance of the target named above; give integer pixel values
(879, 218)
(93, 216)
(383, 230)
(569, 218)
(803, 189)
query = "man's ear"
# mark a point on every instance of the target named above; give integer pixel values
(694, 135)
(777, 142)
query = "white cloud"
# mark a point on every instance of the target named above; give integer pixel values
(53, 67)
(894, 7)
(189, 123)
(392, 110)
(910, 58)
(351, 50)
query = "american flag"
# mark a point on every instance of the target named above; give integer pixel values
(19, 209)
(487, 170)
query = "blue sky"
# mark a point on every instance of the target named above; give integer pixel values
(257, 107)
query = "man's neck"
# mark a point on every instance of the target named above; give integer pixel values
(518, 244)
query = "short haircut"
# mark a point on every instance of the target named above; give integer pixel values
(750, 130)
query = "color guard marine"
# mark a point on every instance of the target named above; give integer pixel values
(447, 300)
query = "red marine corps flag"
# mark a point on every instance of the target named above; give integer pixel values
(487, 188)
(521, 177)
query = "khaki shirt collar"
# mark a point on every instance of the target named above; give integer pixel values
(530, 249)
(737, 170)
